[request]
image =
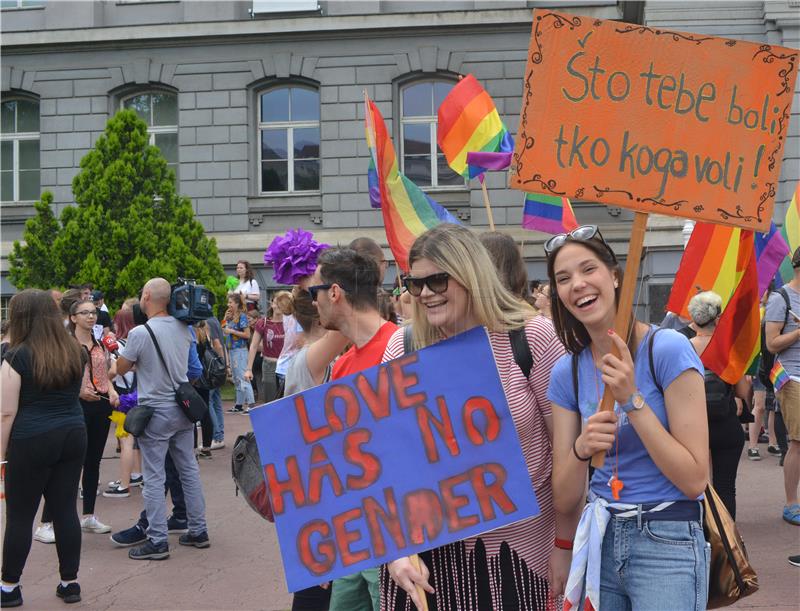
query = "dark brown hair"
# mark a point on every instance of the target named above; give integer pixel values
(73, 309)
(239, 299)
(506, 257)
(68, 299)
(357, 274)
(35, 322)
(248, 271)
(305, 312)
(570, 330)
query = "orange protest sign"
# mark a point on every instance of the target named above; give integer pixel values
(653, 120)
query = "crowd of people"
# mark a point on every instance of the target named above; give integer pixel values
(70, 370)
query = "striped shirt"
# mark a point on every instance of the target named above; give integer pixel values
(531, 540)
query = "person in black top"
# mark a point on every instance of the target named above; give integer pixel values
(43, 438)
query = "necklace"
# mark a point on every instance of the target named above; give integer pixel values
(615, 483)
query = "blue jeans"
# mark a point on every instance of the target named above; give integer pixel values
(649, 564)
(244, 390)
(215, 409)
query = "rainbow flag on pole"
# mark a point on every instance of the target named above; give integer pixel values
(791, 233)
(778, 376)
(771, 250)
(469, 123)
(548, 213)
(407, 211)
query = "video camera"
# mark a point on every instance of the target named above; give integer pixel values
(190, 302)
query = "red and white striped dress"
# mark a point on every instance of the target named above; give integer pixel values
(505, 568)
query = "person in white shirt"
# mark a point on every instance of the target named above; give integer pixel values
(247, 284)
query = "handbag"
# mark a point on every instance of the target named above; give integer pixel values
(731, 575)
(248, 475)
(191, 403)
(137, 418)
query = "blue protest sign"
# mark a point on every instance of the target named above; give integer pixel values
(400, 458)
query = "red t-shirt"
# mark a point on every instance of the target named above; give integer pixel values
(271, 337)
(369, 355)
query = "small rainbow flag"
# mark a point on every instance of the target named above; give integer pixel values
(771, 250)
(407, 211)
(778, 376)
(469, 123)
(791, 233)
(548, 213)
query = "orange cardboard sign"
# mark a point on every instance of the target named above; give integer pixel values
(654, 120)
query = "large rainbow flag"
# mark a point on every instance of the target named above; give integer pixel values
(407, 211)
(771, 250)
(791, 233)
(548, 213)
(469, 123)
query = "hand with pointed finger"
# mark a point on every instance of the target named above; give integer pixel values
(407, 578)
(618, 372)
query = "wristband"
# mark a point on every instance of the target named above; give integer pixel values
(578, 456)
(563, 544)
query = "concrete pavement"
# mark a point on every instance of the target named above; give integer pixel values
(242, 569)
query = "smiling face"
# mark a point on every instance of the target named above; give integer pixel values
(448, 311)
(585, 286)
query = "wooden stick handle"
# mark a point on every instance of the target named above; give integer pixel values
(623, 320)
(487, 205)
(420, 592)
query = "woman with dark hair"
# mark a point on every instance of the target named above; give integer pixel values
(507, 259)
(455, 288)
(206, 425)
(725, 435)
(247, 284)
(642, 521)
(42, 438)
(236, 329)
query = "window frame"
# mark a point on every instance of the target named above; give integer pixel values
(153, 130)
(289, 126)
(433, 122)
(15, 138)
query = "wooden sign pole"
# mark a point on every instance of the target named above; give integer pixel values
(415, 563)
(622, 323)
(488, 205)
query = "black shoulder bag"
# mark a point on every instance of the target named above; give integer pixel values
(190, 403)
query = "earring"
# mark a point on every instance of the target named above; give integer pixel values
(616, 284)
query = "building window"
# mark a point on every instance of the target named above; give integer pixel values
(423, 161)
(4, 4)
(19, 157)
(288, 133)
(160, 111)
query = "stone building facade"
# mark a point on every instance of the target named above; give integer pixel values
(259, 106)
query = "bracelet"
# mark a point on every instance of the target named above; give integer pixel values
(575, 452)
(563, 543)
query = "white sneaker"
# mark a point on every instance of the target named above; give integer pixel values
(217, 445)
(91, 524)
(45, 533)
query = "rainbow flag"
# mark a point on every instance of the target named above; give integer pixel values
(407, 211)
(710, 262)
(737, 339)
(469, 122)
(791, 234)
(548, 213)
(778, 376)
(771, 250)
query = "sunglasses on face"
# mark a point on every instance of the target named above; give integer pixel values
(437, 283)
(313, 290)
(584, 233)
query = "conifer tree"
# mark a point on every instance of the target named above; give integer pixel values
(33, 265)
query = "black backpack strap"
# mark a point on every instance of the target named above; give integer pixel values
(785, 296)
(651, 339)
(160, 356)
(575, 377)
(522, 351)
(408, 339)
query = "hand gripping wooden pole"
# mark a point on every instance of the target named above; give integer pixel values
(624, 317)
(488, 205)
(420, 592)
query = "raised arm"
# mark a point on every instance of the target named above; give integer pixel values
(321, 353)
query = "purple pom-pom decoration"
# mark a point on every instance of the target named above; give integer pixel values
(128, 402)
(293, 256)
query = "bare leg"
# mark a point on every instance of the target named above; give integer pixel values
(125, 460)
(773, 437)
(791, 472)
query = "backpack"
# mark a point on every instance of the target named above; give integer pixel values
(214, 370)
(768, 358)
(720, 396)
(248, 474)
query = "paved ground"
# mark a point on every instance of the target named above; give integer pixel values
(242, 569)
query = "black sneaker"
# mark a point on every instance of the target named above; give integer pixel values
(149, 551)
(794, 560)
(753, 454)
(774, 450)
(128, 537)
(236, 409)
(177, 526)
(70, 594)
(117, 492)
(12, 598)
(200, 540)
(763, 438)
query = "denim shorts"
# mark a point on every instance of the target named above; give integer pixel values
(655, 564)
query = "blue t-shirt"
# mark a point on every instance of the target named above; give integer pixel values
(642, 479)
(235, 342)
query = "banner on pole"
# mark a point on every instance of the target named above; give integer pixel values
(400, 458)
(654, 120)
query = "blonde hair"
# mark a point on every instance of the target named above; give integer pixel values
(456, 250)
(284, 301)
(705, 307)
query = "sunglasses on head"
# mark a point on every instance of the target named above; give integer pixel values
(435, 282)
(584, 233)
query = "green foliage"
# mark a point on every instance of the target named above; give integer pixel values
(129, 224)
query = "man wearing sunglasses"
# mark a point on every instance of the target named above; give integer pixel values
(345, 290)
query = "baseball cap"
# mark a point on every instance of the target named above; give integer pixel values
(96, 295)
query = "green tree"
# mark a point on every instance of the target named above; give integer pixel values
(33, 265)
(129, 224)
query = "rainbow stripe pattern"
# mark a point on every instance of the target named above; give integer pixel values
(548, 213)
(778, 376)
(469, 122)
(791, 234)
(771, 250)
(407, 211)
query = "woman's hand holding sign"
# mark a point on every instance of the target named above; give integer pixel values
(411, 579)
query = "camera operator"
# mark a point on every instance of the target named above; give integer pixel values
(169, 429)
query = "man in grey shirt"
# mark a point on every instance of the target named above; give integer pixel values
(169, 429)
